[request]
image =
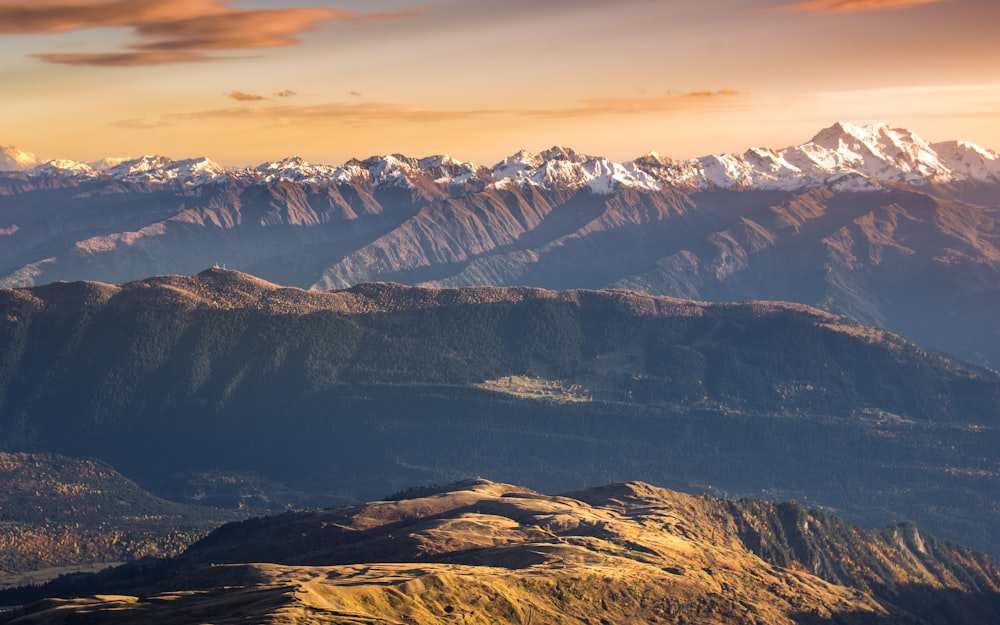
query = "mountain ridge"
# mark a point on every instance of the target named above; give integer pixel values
(379, 386)
(487, 552)
(885, 229)
(844, 155)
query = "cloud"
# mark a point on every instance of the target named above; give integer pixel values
(846, 6)
(287, 93)
(123, 59)
(362, 114)
(170, 31)
(329, 113)
(659, 104)
(914, 91)
(138, 123)
(354, 94)
(244, 97)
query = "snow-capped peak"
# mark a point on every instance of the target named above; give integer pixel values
(108, 162)
(968, 160)
(139, 165)
(439, 160)
(290, 162)
(160, 169)
(12, 159)
(195, 170)
(844, 155)
(559, 153)
(881, 152)
(297, 169)
(841, 131)
(391, 171)
(559, 166)
(64, 168)
(445, 170)
(522, 159)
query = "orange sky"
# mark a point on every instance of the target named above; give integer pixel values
(248, 81)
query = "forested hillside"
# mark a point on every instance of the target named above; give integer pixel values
(352, 394)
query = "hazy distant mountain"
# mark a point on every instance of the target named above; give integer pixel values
(12, 159)
(869, 221)
(348, 395)
(481, 552)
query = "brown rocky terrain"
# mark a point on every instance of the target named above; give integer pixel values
(480, 552)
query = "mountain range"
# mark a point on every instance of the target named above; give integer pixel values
(869, 221)
(480, 552)
(845, 155)
(343, 396)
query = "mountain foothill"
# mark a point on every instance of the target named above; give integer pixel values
(480, 552)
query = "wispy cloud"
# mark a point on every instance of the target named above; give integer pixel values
(327, 114)
(916, 92)
(244, 97)
(657, 104)
(123, 59)
(847, 6)
(286, 93)
(138, 123)
(362, 114)
(170, 31)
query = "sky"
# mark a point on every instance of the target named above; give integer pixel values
(244, 82)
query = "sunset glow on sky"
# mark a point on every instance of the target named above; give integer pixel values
(247, 81)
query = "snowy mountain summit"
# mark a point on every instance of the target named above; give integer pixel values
(12, 159)
(844, 156)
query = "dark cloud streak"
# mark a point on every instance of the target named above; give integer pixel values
(244, 97)
(123, 59)
(171, 31)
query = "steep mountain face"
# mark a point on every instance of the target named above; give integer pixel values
(482, 552)
(352, 394)
(869, 221)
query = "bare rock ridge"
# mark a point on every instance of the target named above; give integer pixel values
(871, 221)
(349, 394)
(483, 552)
